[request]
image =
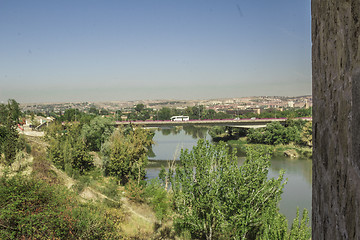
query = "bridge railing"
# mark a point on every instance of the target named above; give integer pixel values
(206, 121)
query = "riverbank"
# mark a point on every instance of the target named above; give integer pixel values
(290, 150)
(297, 191)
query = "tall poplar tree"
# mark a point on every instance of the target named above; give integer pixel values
(216, 198)
(9, 137)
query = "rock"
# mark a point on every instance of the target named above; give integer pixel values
(291, 153)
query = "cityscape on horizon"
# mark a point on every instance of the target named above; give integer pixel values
(228, 105)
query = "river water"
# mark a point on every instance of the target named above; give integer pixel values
(297, 191)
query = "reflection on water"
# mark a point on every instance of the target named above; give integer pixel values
(297, 191)
(170, 141)
(196, 132)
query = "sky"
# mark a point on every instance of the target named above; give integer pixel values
(119, 50)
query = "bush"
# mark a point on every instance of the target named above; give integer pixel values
(134, 191)
(157, 197)
(32, 209)
(42, 167)
(111, 189)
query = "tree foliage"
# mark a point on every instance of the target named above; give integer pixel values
(97, 132)
(274, 113)
(195, 112)
(9, 137)
(299, 228)
(139, 107)
(165, 113)
(294, 131)
(71, 115)
(156, 196)
(306, 134)
(215, 198)
(67, 150)
(125, 153)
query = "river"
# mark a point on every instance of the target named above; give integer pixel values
(297, 191)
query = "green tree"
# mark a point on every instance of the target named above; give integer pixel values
(306, 134)
(104, 111)
(94, 110)
(9, 143)
(132, 116)
(198, 112)
(164, 113)
(139, 107)
(299, 228)
(81, 159)
(275, 134)
(222, 115)
(71, 115)
(294, 131)
(254, 136)
(144, 115)
(55, 153)
(97, 132)
(214, 198)
(118, 114)
(14, 110)
(156, 196)
(125, 154)
(3, 113)
(67, 150)
(9, 118)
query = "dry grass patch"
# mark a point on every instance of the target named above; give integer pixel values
(139, 221)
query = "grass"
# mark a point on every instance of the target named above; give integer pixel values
(136, 225)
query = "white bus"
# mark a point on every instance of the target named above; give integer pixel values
(179, 118)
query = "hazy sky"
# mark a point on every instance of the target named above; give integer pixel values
(99, 50)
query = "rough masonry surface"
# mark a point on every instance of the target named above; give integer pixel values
(336, 119)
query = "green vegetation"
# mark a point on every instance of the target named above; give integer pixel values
(125, 154)
(71, 115)
(67, 149)
(275, 133)
(214, 198)
(207, 195)
(158, 199)
(274, 113)
(224, 133)
(33, 209)
(165, 113)
(293, 139)
(97, 132)
(10, 143)
(139, 113)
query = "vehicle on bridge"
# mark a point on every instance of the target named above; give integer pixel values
(180, 118)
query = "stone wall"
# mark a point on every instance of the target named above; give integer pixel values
(336, 119)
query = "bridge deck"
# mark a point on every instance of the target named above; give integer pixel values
(244, 123)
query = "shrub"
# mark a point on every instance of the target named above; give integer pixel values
(157, 197)
(134, 191)
(32, 209)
